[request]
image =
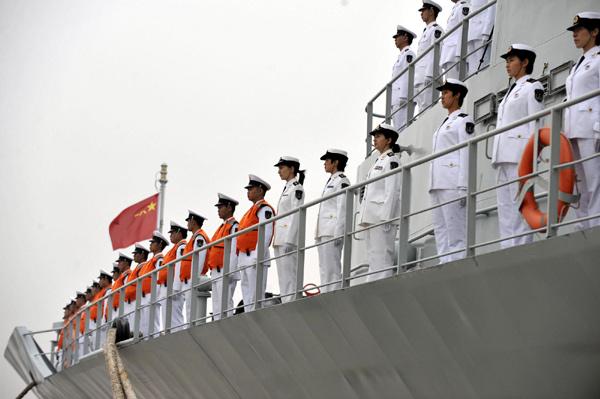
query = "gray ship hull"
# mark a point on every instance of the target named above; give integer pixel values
(522, 322)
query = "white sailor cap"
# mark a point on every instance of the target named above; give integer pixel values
(116, 268)
(387, 129)
(455, 84)
(104, 273)
(158, 236)
(195, 215)
(257, 181)
(79, 293)
(586, 19)
(428, 3)
(140, 248)
(122, 256)
(401, 30)
(95, 282)
(334, 154)
(519, 49)
(226, 200)
(73, 298)
(89, 288)
(287, 160)
(176, 226)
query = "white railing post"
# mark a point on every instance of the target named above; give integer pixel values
(137, 312)
(464, 40)
(556, 118)
(260, 255)
(169, 299)
(388, 103)
(301, 253)
(194, 282)
(369, 128)
(471, 202)
(436, 72)
(225, 276)
(410, 104)
(348, 227)
(404, 220)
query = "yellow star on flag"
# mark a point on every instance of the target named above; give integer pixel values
(152, 207)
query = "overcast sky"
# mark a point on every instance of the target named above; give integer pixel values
(95, 95)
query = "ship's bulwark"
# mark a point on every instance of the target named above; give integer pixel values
(522, 322)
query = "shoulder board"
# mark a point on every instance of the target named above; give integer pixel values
(390, 154)
(463, 115)
(342, 175)
(435, 25)
(463, 2)
(531, 80)
(296, 183)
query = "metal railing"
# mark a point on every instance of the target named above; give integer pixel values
(200, 284)
(437, 75)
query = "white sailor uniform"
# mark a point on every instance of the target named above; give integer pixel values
(480, 30)
(582, 127)
(331, 222)
(451, 46)
(447, 181)
(523, 99)
(381, 202)
(286, 232)
(424, 68)
(400, 88)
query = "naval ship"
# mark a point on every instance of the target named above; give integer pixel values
(520, 322)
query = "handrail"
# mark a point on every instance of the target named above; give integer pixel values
(350, 192)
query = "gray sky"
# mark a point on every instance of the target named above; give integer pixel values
(95, 95)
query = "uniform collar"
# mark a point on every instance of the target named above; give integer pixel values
(289, 183)
(455, 114)
(523, 80)
(226, 221)
(336, 174)
(431, 24)
(594, 50)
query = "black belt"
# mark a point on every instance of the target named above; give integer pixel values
(115, 309)
(185, 280)
(165, 284)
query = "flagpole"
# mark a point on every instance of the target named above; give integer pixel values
(163, 182)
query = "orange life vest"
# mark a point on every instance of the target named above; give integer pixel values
(247, 241)
(148, 267)
(94, 311)
(185, 272)
(169, 257)
(215, 258)
(82, 319)
(116, 285)
(60, 338)
(130, 289)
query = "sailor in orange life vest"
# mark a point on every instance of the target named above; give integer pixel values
(140, 255)
(225, 208)
(285, 239)
(381, 202)
(59, 346)
(582, 121)
(177, 236)
(448, 174)
(525, 97)
(116, 276)
(260, 211)
(82, 303)
(158, 243)
(331, 220)
(98, 311)
(198, 240)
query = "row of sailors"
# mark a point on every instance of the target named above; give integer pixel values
(380, 201)
(480, 30)
(282, 235)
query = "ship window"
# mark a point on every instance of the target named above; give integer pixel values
(484, 108)
(558, 78)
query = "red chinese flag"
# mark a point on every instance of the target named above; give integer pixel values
(135, 223)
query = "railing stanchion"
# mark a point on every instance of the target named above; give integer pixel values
(347, 263)
(556, 118)
(225, 275)
(404, 220)
(260, 256)
(169, 299)
(193, 287)
(464, 40)
(471, 202)
(301, 253)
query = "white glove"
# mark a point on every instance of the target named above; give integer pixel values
(338, 242)
(461, 193)
(287, 248)
(387, 226)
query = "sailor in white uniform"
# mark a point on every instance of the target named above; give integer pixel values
(381, 202)
(403, 39)
(331, 221)
(286, 229)
(448, 174)
(481, 27)
(582, 121)
(451, 46)
(525, 97)
(424, 69)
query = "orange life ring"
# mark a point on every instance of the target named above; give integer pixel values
(566, 178)
(308, 293)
